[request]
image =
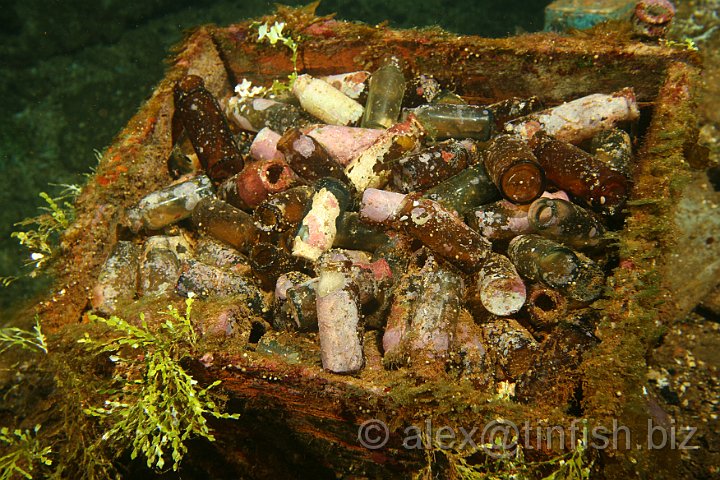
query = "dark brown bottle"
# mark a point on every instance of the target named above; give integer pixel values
(283, 211)
(580, 174)
(226, 223)
(444, 233)
(207, 128)
(308, 158)
(514, 169)
(512, 108)
(270, 261)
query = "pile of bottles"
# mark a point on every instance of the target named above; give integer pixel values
(468, 236)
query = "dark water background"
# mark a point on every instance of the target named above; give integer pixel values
(73, 72)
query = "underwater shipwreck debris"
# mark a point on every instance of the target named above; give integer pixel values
(423, 342)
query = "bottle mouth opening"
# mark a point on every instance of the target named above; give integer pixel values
(523, 182)
(559, 268)
(545, 216)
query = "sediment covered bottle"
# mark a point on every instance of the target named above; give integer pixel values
(578, 119)
(169, 205)
(318, 227)
(302, 305)
(353, 234)
(307, 157)
(343, 143)
(206, 127)
(226, 223)
(352, 84)
(557, 266)
(503, 220)
(513, 347)
(513, 168)
(270, 261)
(162, 258)
(209, 281)
(423, 317)
(284, 210)
(387, 87)
(499, 286)
(282, 317)
(254, 114)
(117, 282)
(264, 146)
(439, 229)
(580, 174)
(371, 168)
(339, 323)
(565, 222)
(219, 254)
(614, 148)
(512, 108)
(545, 306)
(326, 102)
(425, 169)
(256, 183)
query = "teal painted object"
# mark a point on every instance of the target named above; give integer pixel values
(562, 15)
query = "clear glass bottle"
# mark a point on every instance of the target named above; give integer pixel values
(387, 87)
(169, 205)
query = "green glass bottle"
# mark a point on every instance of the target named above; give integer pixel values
(455, 121)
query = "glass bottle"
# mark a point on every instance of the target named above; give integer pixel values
(444, 233)
(307, 157)
(565, 222)
(512, 108)
(539, 259)
(353, 234)
(318, 227)
(499, 286)
(455, 121)
(226, 223)
(283, 211)
(169, 205)
(387, 87)
(420, 171)
(580, 174)
(371, 168)
(466, 190)
(254, 114)
(256, 183)
(339, 322)
(614, 148)
(322, 100)
(514, 169)
(206, 127)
